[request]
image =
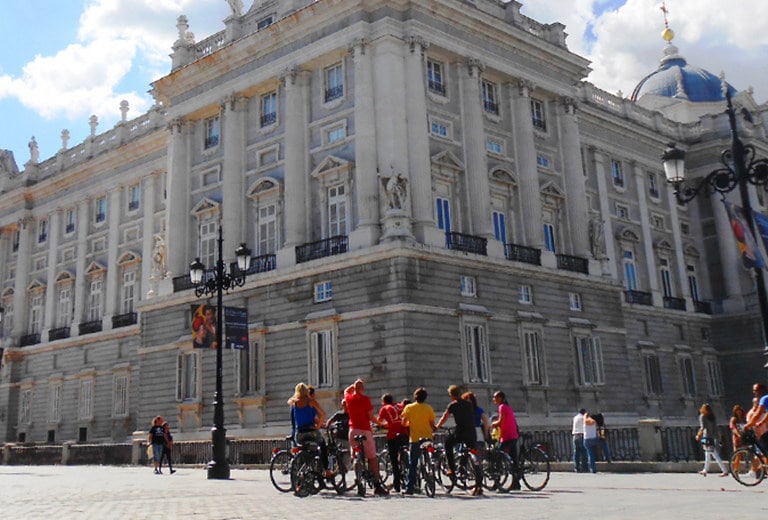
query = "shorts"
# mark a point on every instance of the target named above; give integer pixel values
(370, 446)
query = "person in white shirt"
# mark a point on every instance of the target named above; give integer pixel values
(579, 453)
(590, 441)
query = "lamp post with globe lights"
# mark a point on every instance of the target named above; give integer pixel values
(216, 282)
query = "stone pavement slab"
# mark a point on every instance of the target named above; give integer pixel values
(108, 492)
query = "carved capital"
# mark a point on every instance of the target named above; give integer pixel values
(417, 43)
(233, 102)
(569, 105)
(524, 87)
(475, 67)
(360, 45)
(176, 125)
(289, 75)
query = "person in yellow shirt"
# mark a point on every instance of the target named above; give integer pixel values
(420, 417)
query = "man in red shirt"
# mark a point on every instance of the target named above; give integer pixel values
(360, 410)
(397, 438)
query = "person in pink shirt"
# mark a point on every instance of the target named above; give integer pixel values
(507, 425)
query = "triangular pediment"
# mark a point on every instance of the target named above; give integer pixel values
(691, 251)
(551, 189)
(503, 175)
(627, 235)
(95, 268)
(663, 245)
(65, 276)
(8, 292)
(206, 205)
(330, 164)
(263, 186)
(36, 285)
(128, 257)
(446, 159)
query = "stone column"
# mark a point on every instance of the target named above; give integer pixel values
(148, 238)
(366, 176)
(112, 295)
(611, 262)
(575, 187)
(80, 266)
(296, 164)
(54, 230)
(645, 227)
(419, 161)
(20, 298)
(233, 174)
(177, 204)
(477, 183)
(530, 190)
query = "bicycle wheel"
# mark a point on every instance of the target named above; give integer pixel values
(428, 475)
(360, 477)
(497, 471)
(535, 465)
(280, 471)
(300, 471)
(385, 468)
(466, 476)
(339, 480)
(746, 467)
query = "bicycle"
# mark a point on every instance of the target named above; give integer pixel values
(533, 466)
(363, 474)
(748, 464)
(498, 468)
(280, 468)
(307, 473)
(426, 470)
(468, 468)
(385, 467)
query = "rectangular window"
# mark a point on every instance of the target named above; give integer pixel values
(666, 279)
(468, 286)
(337, 211)
(134, 194)
(42, 230)
(323, 291)
(264, 22)
(617, 173)
(247, 369)
(443, 216)
(652, 375)
(685, 228)
(549, 238)
(36, 314)
(525, 294)
(490, 97)
(500, 226)
(435, 81)
(657, 221)
(267, 238)
(439, 128)
(336, 133)
(69, 222)
(687, 376)
(54, 402)
(494, 146)
(321, 358)
(622, 211)
(186, 376)
(100, 208)
(533, 358)
(208, 244)
(653, 186)
(693, 282)
(589, 361)
(715, 378)
(476, 349)
(543, 161)
(334, 82)
(120, 396)
(85, 401)
(94, 300)
(538, 116)
(25, 406)
(212, 128)
(129, 292)
(269, 109)
(64, 312)
(574, 300)
(630, 273)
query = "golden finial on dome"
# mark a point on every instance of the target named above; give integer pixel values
(668, 34)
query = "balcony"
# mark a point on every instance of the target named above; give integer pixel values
(638, 297)
(334, 93)
(491, 107)
(575, 264)
(321, 248)
(674, 303)
(259, 264)
(70, 228)
(438, 87)
(269, 119)
(133, 205)
(123, 320)
(89, 327)
(703, 307)
(58, 333)
(466, 243)
(527, 255)
(29, 339)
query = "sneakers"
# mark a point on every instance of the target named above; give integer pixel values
(703, 473)
(173, 471)
(478, 491)
(156, 472)
(724, 474)
(379, 491)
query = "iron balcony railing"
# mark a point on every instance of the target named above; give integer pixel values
(438, 87)
(89, 327)
(29, 339)
(321, 248)
(334, 93)
(703, 307)
(259, 264)
(123, 320)
(58, 333)
(269, 119)
(525, 254)
(638, 297)
(572, 263)
(674, 303)
(466, 243)
(491, 107)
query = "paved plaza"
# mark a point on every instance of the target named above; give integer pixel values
(63, 492)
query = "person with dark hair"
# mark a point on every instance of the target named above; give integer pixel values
(464, 416)
(420, 418)
(602, 436)
(481, 421)
(389, 415)
(167, 448)
(156, 439)
(577, 435)
(507, 425)
(759, 416)
(708, 437)
(339, 421)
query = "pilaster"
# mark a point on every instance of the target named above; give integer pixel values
(296, 157)
(645, 227)
(610, 263)
(113, 241)
(20, 298)
(177, 212)
(575, 188)
(54, 231)
(233, 173)
(82, 254)
(147, 236)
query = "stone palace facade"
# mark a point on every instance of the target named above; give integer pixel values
(433, 195)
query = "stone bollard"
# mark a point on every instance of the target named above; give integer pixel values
(649, 439)
(65, 447)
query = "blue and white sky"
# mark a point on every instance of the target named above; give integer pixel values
(62, 61)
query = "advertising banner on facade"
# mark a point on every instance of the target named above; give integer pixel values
(236, 327)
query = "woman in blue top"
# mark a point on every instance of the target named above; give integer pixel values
(481, 420)
(306, 415)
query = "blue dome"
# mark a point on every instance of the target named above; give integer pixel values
(675, 78)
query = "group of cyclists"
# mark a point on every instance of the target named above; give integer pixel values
(407, 423)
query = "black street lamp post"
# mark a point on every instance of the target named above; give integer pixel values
(208, 284)
(740, 169)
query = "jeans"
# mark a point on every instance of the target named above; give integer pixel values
(591, 448)
(393, 447)
(579, 454)
(413, 464)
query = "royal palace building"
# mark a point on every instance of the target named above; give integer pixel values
(433, 195)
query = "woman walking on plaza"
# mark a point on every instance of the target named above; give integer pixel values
(156, 439)
(708, 437)
(167, 448)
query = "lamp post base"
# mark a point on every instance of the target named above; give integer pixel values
(218, 468)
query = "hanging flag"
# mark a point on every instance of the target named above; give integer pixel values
(236, 327)
(761, 221)
(750, 254)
